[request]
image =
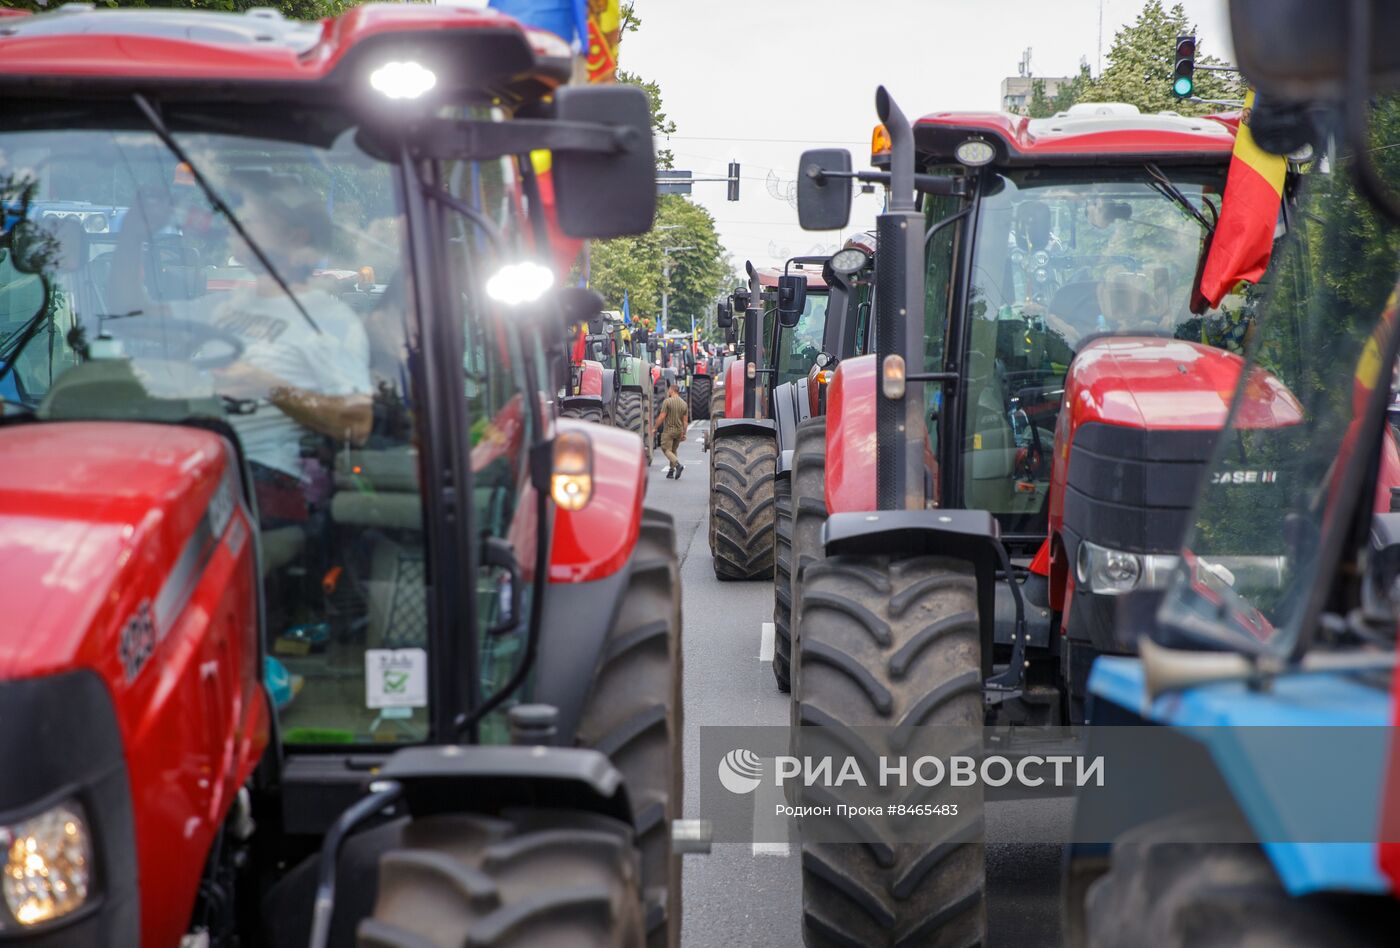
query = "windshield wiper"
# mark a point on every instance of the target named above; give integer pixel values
(168, 139)
(1163, 185)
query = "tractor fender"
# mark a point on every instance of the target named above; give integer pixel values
(728, 427)
(595, 542)
(787, 412)
(574, 624)
(590, 380)
(581, 402)
(785, 464)
(850, 436)
(734, 389)
(437, 779)
(1223, 718)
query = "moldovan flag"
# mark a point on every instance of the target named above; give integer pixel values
(1244, 236)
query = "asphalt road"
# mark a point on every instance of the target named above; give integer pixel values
(735, 896)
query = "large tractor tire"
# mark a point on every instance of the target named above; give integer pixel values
(699, 396)
(634, 715)
(808, 514)
(1172, 885)
(593, 413)
(528, 877)
(741, 506)
(631, 416)
(782, 582)
(890, 647)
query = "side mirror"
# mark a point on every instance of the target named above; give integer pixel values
(739, 300)
(724, 315)
(792, 298)
(824, 201)
(1299, 49)
(578, 305)
(731, 334)
(600, 194)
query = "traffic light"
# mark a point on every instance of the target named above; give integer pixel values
(734, 181)
(1184, 75)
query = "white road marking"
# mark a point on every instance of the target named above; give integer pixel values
(768, 826)
(765, 642)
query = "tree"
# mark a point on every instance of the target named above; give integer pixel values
(636, 265)
(1141, 62)
(661, 124)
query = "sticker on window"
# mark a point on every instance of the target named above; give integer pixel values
(396, 678)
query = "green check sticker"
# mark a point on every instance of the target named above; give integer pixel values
(396, 678)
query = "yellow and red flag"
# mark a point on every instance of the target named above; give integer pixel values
(1244, 236)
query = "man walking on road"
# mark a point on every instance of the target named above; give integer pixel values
(676, 415)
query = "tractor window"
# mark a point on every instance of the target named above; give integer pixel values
(157, 310)
(502, 424)
(1063, 258)
(803, 343)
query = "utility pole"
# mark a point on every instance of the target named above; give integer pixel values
(666, 282)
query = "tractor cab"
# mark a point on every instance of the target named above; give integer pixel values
(276, 319)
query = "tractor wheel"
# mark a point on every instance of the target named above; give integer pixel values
(890, 648)
(633, 714)
(593, 413)
(782, 581)
(741, 506)
(700, 398)
(630, 418)
(528, 877)
(808, 512)
(1171, 884)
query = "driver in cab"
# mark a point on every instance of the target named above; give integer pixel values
(295, 378)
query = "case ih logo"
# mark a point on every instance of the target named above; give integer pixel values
(1244, 477)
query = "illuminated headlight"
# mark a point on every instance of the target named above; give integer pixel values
(1114, 572)
(517, 283)
(571, 474)
(408, 80)
(48, 864)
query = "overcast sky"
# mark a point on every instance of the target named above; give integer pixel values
(757, 81)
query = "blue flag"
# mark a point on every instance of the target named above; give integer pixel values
(692, 332)
(626, 310)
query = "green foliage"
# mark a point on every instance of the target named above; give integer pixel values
(1068, 93)
(1141, 61)
(661, 124)
(636, 265)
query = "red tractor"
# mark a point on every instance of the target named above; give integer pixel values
(783, 315)
(1014, 458)
(319, 624)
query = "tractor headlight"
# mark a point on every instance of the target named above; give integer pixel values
(48, 864)
(1114, 572)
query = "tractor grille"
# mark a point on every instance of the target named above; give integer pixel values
(1133, 489)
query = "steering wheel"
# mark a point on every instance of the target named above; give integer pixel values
(179, 339)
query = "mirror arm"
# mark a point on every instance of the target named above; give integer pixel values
(935, 184)
(461, 139)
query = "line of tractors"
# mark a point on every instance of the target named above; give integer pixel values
(335, 614)
(1006, 466)
(325, 622)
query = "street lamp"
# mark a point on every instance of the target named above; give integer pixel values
(666, 281)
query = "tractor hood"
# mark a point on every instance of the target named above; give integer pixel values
(1152, 383)
(94, 521)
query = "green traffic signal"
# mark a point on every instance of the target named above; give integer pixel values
(1183, 86)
